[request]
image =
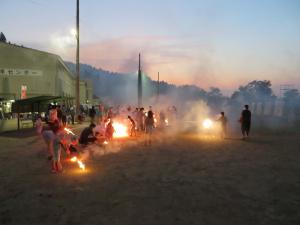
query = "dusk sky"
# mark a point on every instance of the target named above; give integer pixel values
(223, 43)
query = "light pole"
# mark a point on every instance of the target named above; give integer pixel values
(140, 91)
(77, 60)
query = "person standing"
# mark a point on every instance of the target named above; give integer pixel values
(72, 113)
(149, 126)
(52, 114)
(223, 120)
(245, 121)
(59, 114)
(92, 114)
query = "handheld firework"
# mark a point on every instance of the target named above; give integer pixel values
(79, 162)
(68, 131)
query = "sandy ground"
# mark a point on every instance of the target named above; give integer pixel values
(181, 179)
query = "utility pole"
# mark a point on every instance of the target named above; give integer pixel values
(157, 86)
(77, 60)
(140, 91)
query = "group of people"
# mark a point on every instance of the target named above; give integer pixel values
(56, 139)
(102, 127)
(244, 120)
(62, 113)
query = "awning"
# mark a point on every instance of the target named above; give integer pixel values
(33, 104)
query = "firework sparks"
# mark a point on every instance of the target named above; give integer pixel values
(120, 130)
(68, 131)
(79, 162)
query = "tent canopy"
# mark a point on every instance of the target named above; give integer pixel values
(33, 104)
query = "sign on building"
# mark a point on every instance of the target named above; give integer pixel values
(23, 91)
(20, 72)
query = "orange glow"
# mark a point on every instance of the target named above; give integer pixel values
(120, 130)
(73, 159)
(81, 165)
(79, 162)
(68, 131)
(105, 142)
(207, 123)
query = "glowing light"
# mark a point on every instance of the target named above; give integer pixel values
(155, 120)
(105, 142)
(73, 32)
(207, 123)
(79, 162)
(166, 121)
(73, 159)
(120, 130)
(81, 165)
(68, 131)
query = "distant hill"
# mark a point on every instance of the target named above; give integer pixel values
(122, 88)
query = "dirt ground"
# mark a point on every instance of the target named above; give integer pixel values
(182, 179)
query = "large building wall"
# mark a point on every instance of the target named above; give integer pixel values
(65, 84)
(22, 66)
(41, 72)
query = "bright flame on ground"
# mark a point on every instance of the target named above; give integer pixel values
(73, 159)
(120, 130)
(207, 123)
(68, 131)
(166, 121)
(81, 165)
(79, 162)
(105, 142)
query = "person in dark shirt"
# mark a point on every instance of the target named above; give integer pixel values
(92, 114)
(59, 113)
(245, 121)
(87, 135)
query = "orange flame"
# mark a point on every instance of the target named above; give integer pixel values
(68, 131)
(79, 162)
(120, 130)
(81, 165)
(73, 159)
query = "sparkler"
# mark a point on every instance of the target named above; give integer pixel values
(68, 131)
(79, 162)
(81, 165)
(105, 142)
(167, 122)
(73, 159)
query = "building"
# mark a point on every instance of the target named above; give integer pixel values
(35, 73)
(27, 73)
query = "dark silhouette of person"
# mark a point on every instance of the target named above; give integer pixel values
(245, 121)
(92, 114)
(87, 135)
